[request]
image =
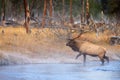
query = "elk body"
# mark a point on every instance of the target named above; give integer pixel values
(86, 48)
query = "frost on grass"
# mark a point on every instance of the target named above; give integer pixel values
(46, 45)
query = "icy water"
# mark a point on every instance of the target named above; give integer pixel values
(92, 71)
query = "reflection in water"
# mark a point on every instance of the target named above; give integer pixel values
(92, 71)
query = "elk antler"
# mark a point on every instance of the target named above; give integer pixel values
(81, 32)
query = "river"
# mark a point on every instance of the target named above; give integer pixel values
(91, 71)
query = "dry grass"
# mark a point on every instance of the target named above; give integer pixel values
(41, 46)
(94, 38)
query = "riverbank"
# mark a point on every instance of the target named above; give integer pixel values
(45, 46)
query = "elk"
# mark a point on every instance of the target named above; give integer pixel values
(86, 48)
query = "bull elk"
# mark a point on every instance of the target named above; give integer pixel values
(86, 48)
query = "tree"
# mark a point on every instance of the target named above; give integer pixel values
(50, 11)
(3, 12)
(87, 11)
(27, 16)
(71, 17)
(63, 10)
(44, 13)
(83, 12)
(114, 8)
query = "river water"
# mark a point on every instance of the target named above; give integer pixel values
(91, 71)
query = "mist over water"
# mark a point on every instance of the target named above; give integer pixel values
(92, 71)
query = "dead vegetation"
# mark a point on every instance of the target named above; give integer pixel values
(45, 45)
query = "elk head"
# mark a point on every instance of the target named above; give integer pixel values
(72, 43)
(74, 31)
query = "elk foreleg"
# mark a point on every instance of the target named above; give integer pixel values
(78, 55)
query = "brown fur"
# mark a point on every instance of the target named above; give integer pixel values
(86, 48)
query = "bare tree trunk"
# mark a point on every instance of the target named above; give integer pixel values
(50, 12)
(31, 6)
(44, 13)
(27, 16)
(87, 11)
(83, 12)
(63, 11)
(3, 13)
(71, 17)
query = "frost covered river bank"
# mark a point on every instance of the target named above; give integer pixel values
(31, 56)
(92, 71)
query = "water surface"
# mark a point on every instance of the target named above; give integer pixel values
(92, 71)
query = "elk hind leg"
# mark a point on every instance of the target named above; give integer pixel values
(84, 56)
(107, 58)
(102, 60)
